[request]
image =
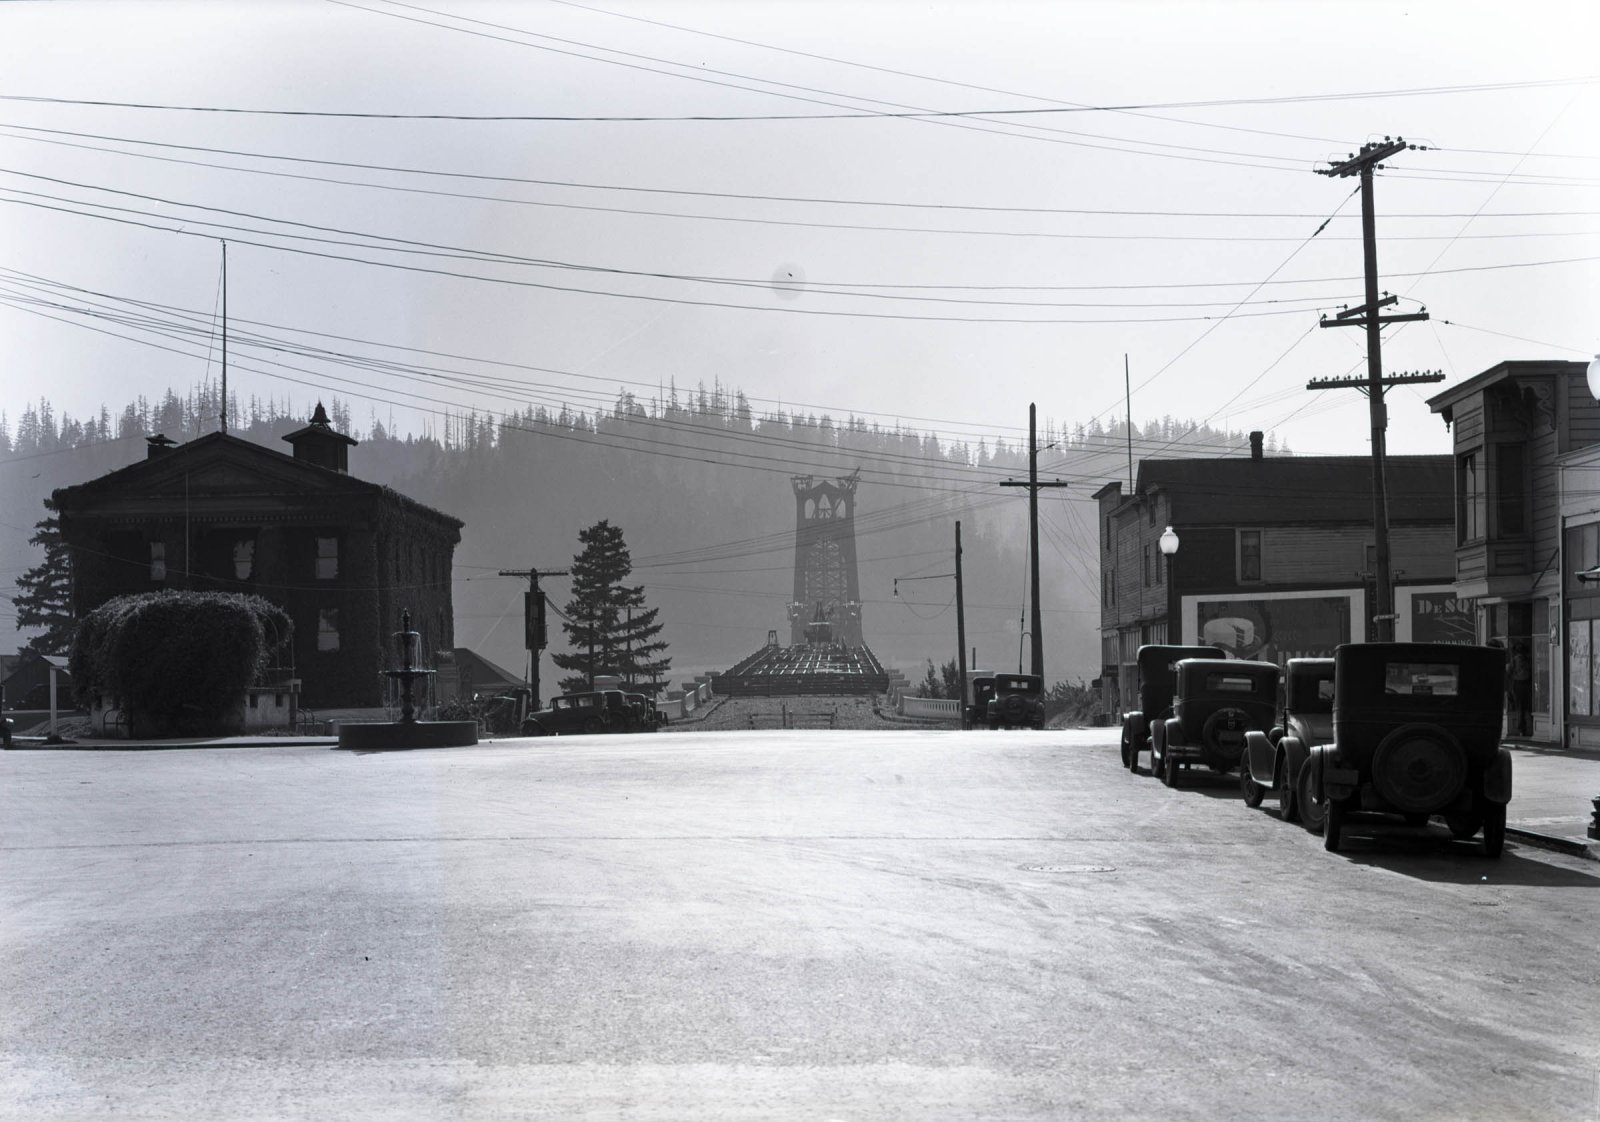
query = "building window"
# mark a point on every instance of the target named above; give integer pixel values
(1510, 489)
(244, 558)
(1144, 566)
(1156, 559)
(1152, 511)
(1113, 587)
(1470, 499)
(158, 560)
(327, 558)
(328, 629)
(1249, 555)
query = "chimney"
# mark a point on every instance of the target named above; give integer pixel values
(1255, 444)
(158, 445)
(319, 444)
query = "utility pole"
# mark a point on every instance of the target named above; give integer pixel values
(961, 633)
(1033, 486)
(1362, 164)
(224, 337)
(535, 636)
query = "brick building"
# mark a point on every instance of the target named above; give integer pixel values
(1275, 557)
(342, 556)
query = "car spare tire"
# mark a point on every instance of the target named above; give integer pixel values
(1418, 768)
(1223, 732)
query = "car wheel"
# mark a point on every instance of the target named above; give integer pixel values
(1494, 829)
(1332, 825)
(1253, 791)
(592, 724)
(1127, 743)
(1311, 811)
(1464, 824)
(1288, 805)
(1174, 771)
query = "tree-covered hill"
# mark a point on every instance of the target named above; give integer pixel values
(701, 489)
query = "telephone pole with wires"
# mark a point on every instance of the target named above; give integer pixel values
(1366, 315)
(1033, 485)
(535, 634)
(961, 622)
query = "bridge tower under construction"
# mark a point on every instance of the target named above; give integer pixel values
(826, 608)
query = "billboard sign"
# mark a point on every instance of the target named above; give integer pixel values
(1434, 614)
(1274, 626)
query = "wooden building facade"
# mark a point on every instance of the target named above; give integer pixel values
(1275, 557)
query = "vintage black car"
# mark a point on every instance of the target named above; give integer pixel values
(646, 717)
(1416, 732)
(980, 688)
(1158, 677)
(1272, 760)
(591, 712)
(1017, 702)
(1215, 703)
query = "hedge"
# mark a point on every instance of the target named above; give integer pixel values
(175, 658)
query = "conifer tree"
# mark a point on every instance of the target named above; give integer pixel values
(608, 626)
(44, 592)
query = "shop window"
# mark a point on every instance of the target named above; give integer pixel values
(1249, 555)
(327, 558)
(158, 561)
(328, 629)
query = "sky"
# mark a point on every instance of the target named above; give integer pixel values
(936, 213)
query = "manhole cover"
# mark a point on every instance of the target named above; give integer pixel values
(1068, 868)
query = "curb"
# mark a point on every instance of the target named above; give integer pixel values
(1574, 847)
(130, 746)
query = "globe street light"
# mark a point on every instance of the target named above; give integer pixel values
(1169, 549)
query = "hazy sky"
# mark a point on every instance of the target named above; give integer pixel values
(942, 269)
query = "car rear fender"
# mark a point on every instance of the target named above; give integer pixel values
(1497, 777)
(1260, 753)
(1330, 780)
(1292, 754)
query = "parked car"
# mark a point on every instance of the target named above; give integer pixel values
(590, 712)
(646, 717)
(1416, 732)
(1018, 702)
(1215, 702)
(1271, 761)
(1158, 676)
(980, 688)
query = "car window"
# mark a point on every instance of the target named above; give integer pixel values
(1230, 683)
(1325, 690)
(1437, 679)
(561, 703)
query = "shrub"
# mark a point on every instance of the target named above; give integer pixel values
(176, 662)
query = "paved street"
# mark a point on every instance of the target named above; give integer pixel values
(765, 925)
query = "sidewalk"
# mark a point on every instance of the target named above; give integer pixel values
(1552, 789)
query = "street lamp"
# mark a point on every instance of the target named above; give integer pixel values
(1169, 550)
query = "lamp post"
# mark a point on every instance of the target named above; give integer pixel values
(1593, 376)
(1169, 550)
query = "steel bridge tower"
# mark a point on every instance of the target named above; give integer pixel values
(826, 587)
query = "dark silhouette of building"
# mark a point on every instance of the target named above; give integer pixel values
(342, 556)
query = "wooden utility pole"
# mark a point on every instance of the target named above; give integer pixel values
(224, 417)
(961, 633)
(535, 637)
(1033, 486)
(1362, 164)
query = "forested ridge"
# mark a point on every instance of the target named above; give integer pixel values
(699, 483)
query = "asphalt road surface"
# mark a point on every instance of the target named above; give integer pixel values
(770, 925)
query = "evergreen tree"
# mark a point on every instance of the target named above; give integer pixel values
(44, 592)
(608, 626)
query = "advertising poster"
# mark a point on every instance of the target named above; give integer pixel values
(1436, 615)
(1274, 627)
